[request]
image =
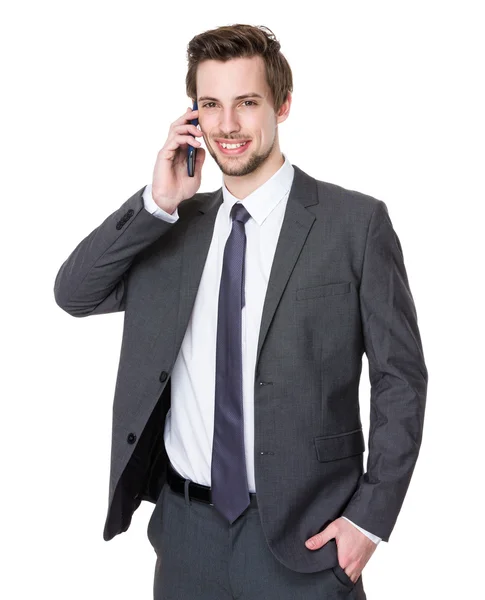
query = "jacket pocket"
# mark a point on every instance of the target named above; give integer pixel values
(333, 447)
(329, 289)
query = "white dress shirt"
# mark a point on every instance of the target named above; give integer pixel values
(189, 424)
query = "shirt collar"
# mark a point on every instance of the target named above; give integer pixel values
(266, 197)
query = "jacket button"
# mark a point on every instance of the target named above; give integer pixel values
(131, 439)
(163, 376)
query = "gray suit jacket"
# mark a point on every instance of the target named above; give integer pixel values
(338, 287)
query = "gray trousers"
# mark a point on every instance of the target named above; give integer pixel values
(201, 556)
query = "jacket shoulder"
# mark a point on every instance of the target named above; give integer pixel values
(345, 199)
(190, 206)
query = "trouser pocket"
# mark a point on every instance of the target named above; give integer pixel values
(343, 578)
(156, 516)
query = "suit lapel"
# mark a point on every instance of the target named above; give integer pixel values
(197, 239)
(295, 228)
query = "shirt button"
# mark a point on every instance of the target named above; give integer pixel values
(131, 439)
(163, 376)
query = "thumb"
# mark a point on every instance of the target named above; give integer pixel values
(199, 159)
(321, 538)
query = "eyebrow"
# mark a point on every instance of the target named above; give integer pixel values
(250, 95)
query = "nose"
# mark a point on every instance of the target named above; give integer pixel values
(229, 122)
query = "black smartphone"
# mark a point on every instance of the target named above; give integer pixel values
(191, 151)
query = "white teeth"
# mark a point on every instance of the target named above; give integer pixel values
(232, 146)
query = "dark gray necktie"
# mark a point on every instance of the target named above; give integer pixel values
(230, 492)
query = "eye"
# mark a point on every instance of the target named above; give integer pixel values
(252, 103)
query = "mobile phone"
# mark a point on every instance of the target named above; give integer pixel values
(191, 151)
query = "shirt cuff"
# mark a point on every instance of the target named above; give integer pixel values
(371, 536)
(152, 207)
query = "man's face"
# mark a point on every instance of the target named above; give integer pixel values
(223, 117)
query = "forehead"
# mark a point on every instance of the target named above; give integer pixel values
(226, 80)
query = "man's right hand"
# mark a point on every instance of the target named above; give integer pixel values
(171, 182)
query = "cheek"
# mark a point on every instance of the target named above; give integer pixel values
(208, 132)
(207, 125)
(266, 131)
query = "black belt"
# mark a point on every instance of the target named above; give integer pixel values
(196, 491)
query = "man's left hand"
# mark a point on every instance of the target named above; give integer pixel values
(354, 548)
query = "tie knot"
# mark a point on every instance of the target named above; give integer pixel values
(239, 213)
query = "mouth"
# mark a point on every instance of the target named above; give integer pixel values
(234, 151)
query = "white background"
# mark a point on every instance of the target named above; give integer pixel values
(387, 100)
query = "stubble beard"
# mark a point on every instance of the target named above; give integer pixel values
(240, 169)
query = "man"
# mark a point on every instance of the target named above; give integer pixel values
(247, 312)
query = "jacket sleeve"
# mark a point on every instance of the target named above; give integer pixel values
(398, 377)
(94, 278)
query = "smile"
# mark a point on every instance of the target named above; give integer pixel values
(233, 149)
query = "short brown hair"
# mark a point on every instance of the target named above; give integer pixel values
(238, 41)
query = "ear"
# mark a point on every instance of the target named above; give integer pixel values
(284, 110)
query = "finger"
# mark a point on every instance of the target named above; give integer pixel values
(352, 575)
(188, 127)
(181, 140)
(190, 114)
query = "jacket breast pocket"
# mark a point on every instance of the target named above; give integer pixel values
(343, 445)
(329, 289)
